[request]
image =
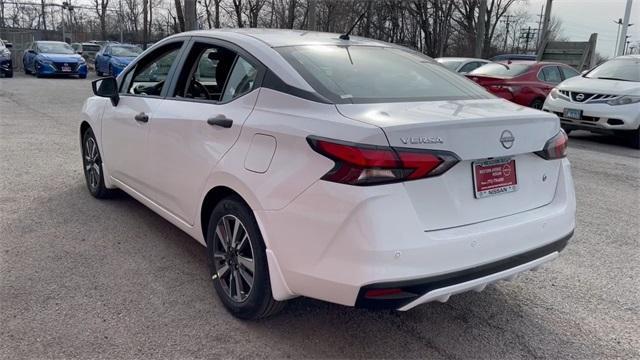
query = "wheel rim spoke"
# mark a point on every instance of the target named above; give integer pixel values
(246, 263)
(233, 258)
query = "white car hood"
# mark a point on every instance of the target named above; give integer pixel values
(600, 86)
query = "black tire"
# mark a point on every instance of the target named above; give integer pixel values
(82, 76)
(8, 74)
(92, 166)
(537, 104)
(98, 72)
(258, 302)
(634, 138)
(26, 71)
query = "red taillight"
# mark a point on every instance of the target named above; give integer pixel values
(556, 147)
(359, 164)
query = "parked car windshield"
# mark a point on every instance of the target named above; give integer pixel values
(450, 64)
(125, 51)
(617, 69)
(372, 74)
(502, 70)
(55, 48)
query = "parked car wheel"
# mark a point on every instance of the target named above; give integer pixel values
(82, 76)
(26, 69)
(98, 72)
(92, 166)
(8, 74)
(238, 261)
(634, 138)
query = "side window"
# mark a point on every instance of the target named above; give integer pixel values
(568, 72)
(551, 74)
(150, 73)
(205, 72)
(241, 80)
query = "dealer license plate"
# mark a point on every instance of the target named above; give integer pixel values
(494, 177)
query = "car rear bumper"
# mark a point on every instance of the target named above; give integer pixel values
(439, 288)
(334, 242)
(596, 117)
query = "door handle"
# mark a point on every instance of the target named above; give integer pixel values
(142, 117)
(221, 121)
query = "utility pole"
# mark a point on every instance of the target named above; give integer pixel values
(625, 26)
(312, 15)
(540, 20)
(527, 36)
(190, 15)
(619, 22)
(545, 23)
(507, 22)
(480, 28)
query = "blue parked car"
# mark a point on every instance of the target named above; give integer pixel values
(45, 58)
(113, 58)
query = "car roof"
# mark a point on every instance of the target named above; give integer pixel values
(286, 37)
(461, 59)
(50, 42)
(635, 57)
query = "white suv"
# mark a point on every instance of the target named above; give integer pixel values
(352, 171)
(604, 100)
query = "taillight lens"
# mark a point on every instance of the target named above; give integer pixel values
(556, 147)
(360, 164)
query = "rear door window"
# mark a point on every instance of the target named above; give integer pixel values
(550, 74)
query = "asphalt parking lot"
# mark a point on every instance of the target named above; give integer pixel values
(83, 278)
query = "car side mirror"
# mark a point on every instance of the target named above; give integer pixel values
(79, 52)
(108, 88)
(8, 45)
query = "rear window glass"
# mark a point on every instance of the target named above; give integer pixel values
(502, 70)
(450, 64)
(371, 74)
(91, 48)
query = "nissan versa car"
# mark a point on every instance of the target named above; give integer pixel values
(46, 58)
(352, 171)
(604, 100)
(113, 58)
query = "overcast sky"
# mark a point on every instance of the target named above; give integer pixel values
(580, 18)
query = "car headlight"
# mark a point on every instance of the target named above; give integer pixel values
(5, 53)
(82, 61)
(553, 93)
(624, 100)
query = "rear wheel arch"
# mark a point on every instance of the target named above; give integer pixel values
(211, 199)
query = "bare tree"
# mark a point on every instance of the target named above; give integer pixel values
(101, 11)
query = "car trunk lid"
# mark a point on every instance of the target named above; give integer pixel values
(475, 130)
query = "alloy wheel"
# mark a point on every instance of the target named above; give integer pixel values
(233, 258)
(91, 159)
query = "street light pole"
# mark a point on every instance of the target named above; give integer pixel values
(625, 25)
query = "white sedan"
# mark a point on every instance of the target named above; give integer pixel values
(352, 171)
(604, 100)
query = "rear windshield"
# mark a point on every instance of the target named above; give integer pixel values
(501, 70)
(370, 74)
(95, 48)
(617, 69)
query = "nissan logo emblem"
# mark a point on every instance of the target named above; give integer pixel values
(580, 97)
(507, 139)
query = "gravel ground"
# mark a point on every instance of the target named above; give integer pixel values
(82, 278)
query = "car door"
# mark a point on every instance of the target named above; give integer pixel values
(104, 59)
(199, 123)
(125, 127)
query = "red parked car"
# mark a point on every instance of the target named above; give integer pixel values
(523, 82)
